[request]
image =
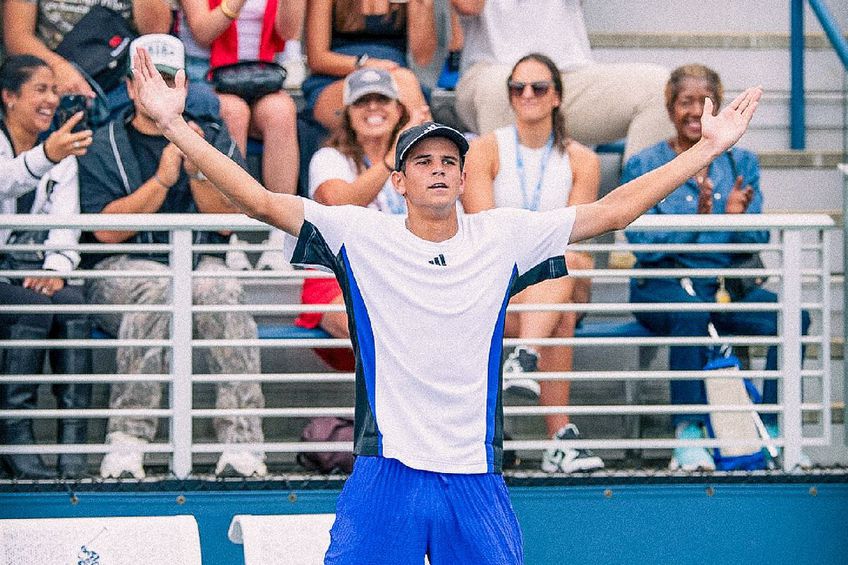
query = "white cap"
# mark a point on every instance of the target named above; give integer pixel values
(166, 51)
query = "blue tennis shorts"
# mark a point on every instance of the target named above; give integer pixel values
(389, 513)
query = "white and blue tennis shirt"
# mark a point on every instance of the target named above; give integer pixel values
(427, 322)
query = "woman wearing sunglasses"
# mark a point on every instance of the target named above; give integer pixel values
(531, 165)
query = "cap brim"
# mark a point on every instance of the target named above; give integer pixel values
(441, 131)
(167, 69)
(385, 90)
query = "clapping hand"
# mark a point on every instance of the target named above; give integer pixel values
(739, 198)
(705, 195)
(161, 102)
(725, 129)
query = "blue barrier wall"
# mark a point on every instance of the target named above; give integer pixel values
(698, 523)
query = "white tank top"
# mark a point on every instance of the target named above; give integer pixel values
(507, 30)
(555, 186)
(249, 29)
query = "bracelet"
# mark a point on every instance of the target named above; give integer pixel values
(360, 61)
(227, 11)
(160, 183)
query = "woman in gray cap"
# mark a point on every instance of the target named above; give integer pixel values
(354, 168)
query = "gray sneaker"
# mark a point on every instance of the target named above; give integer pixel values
(567, 459)
(523, 359)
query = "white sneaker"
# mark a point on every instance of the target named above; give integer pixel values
(271, 259)
(523, 359)
(236, 259)
(295, 72)
(121, 461)
(241, 463)
(568, 459)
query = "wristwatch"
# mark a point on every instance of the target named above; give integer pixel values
(360, 61)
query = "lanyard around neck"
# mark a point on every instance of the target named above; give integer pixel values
(535, 198)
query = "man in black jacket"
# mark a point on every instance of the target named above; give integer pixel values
(131, 168)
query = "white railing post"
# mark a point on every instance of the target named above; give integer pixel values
(181, 350)
(790, 365)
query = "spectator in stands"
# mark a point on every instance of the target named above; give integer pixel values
(225, 32)
(354, 168)
(729, 185)
(602, 102)
(40, 178)
(532, 165)
(345, 35)
(38, 27)
(427, 297)
(131, 168)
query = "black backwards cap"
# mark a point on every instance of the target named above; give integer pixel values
(413, 135)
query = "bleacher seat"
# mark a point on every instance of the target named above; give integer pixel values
(291, 539)
(149, 540)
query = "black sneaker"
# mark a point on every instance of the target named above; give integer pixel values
(523, 359)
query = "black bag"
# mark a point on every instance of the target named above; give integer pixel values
(99, 45)
(249, 80)
(739, 287)
(24, 260)
(327, 428)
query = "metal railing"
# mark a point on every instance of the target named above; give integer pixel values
(797, 262)
(797, 125)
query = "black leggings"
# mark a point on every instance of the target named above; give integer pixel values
(51, 324)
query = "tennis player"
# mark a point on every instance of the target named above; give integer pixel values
(426, 297)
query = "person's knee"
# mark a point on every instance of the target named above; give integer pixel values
(405, 79)
(235, 113)
(275, 111)
(688, 323)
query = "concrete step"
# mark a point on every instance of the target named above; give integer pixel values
(688, 16)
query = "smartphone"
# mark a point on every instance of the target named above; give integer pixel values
(70, 104)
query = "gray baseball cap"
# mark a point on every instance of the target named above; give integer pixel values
(366, 81)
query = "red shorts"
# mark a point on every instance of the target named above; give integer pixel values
(324, 291)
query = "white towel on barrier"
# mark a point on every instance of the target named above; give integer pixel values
(300, 539)
(149, 540)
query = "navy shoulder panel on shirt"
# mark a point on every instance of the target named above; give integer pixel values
(312, 249)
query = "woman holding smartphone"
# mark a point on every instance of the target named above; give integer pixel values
(39, 178)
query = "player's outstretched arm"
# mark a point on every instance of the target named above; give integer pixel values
(165, 106)
(620, 207)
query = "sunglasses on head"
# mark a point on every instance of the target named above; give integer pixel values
(540, 87)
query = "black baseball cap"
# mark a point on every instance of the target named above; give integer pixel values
(413, 135)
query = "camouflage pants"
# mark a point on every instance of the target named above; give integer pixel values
(155, 325)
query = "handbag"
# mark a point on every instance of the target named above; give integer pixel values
(327, 428)
(739, 287)
(249, 80)
(99, 45)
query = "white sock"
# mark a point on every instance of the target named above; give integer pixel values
(292, 50)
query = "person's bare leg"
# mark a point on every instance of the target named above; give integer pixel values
(236, 115)
(335, 323)
(274, 120)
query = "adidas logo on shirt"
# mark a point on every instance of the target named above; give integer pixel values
(440, 261)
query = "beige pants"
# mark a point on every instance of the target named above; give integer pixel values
(601, 103)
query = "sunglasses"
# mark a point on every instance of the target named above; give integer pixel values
(540, 88)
